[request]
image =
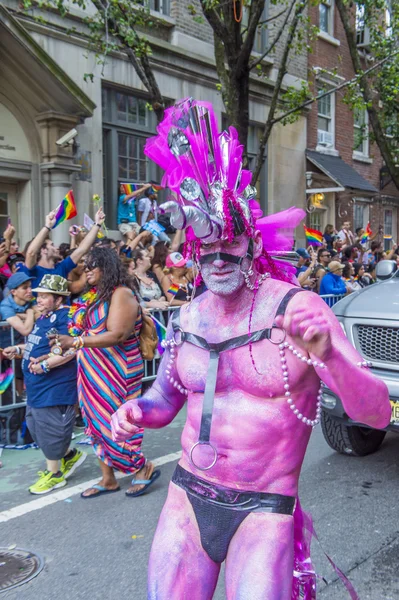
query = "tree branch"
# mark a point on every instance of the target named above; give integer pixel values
(215, 21)
(265, 21)
(255, 13)
(276, 92)
(368, 94)
(257, 61)
(333, 90)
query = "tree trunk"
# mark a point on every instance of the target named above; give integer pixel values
(237, 107)
(368, 94)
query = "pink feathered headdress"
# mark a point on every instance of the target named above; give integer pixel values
(211, 192)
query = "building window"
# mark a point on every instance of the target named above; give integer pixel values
(161, 6)
(4, 214)
(127, 123)
(360, 124)
(388, 229)
(360, 216)
(261, 35)
(132, 162)
(325, 121)
(131, 109)
(316, 220)
(326, 16)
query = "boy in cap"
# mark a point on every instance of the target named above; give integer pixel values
(15, 308)
(50, 378)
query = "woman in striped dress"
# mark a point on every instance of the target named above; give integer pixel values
(105, 325)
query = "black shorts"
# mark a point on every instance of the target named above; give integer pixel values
(51, 428)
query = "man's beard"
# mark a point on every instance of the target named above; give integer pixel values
(223, 286)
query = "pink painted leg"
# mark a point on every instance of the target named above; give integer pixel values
(179, 567)
(260, 559)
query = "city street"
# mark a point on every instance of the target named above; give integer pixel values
(99, 549)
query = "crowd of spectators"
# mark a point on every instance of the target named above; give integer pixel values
(151, 266)
(344, 263)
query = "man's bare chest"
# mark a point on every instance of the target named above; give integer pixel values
(254, 369)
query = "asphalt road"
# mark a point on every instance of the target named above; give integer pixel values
(90, 550)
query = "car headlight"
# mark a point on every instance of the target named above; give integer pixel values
(328, 401)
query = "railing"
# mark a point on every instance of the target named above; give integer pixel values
(331, 299)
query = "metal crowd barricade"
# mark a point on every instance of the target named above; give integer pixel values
(10, 399)
(151, 366)
(332, 299)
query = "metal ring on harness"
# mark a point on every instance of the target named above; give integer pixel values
(213, 463)
(176, 331)
(279, 341)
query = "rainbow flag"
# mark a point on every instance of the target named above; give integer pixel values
(313, 237)
(161, 333)
(367, 233)
(129, 188)
(174, 288)
(5, 379)
(66, 210)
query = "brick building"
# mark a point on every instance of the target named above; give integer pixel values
(44, 95)
(345, 176)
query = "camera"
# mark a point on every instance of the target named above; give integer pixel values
(67, 139)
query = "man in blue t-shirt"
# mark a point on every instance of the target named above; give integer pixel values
(42, 256)
(51, 386)
(127, 218)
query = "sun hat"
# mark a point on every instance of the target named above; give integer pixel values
(17, 279)
(53, 284)
(175, 259)
(335, 266)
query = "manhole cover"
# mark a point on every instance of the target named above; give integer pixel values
(17, 567)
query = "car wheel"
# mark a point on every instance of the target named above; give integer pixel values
(356, 441)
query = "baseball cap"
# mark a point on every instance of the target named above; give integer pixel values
(335, 266)
(17, 279)
(53, 284)
(16, 257)
(175, 259)
(303, 253)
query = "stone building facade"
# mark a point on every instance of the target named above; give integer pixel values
(44, 95)
(344, 168)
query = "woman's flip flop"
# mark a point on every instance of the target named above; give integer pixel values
(145, 482)
(101, 491)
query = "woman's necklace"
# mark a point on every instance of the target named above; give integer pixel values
(144, 278)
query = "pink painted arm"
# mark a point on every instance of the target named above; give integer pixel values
(314, 327)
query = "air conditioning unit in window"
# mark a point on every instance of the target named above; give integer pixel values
(324, 138)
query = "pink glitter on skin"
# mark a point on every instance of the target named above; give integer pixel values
(248, 406)
(258, 429)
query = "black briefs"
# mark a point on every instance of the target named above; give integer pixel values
(220, 510)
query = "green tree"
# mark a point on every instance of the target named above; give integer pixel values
(377, 92)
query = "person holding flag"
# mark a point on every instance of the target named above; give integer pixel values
(127, 219)
(43, 258)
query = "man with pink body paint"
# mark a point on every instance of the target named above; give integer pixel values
(247, 356)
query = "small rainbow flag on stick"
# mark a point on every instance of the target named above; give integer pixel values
(313, 237)
(66, 210)
(174, 288)
(161, 333)
(5, 379)
(129, 188)
(367, 233)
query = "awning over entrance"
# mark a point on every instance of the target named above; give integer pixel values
(340, 172)
(35, 75)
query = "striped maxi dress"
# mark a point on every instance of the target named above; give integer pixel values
(107, 378)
